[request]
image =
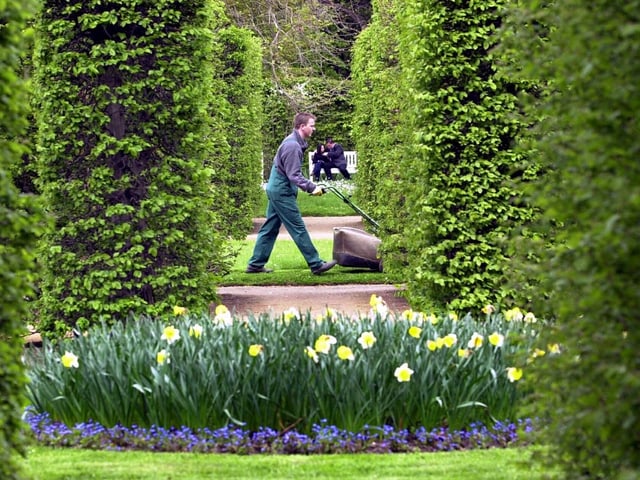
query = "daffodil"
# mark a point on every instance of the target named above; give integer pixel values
(464, 353)
(171, 334)
(255, 349)
(366, 340)
(515, 314)
(488, 309)
(378, 307)
(538, 353)
(290, 314)
(496, 339)
(403, 373)
(323, 343)
(415, 331)
(553, 348)
(432, 319)
(311, 353)
(432, 345)
(412, 316)
(453, 316)
(69, 360)
(476, 340)
(222, 316)
(179, 310)
(331, 314)
(162, 357)
(530, 318)
(345, 353)
(195, 331)
(514, 374)
(450, 340)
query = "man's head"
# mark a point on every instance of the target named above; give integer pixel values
(329, 141)
(305, 124)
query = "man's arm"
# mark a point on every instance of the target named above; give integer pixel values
(291, 155)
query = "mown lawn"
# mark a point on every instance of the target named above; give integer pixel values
(70, 464)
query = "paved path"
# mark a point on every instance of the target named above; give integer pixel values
(350, 299)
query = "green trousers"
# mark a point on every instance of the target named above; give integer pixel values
(282, 208)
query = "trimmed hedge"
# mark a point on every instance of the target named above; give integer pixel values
(460, 205)
(19, 228)
(378, 103)
(237, 178)
(126, 110)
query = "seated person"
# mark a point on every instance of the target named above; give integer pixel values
(319, 160)
(335, 152)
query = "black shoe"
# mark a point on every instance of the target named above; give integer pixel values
(252, 269)
(324, 267)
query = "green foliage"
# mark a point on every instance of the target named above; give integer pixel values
(125, 109)
(459, 204)
(19, 229)
(236, 163)
(589, 141)
(378, 104)
(161, 372)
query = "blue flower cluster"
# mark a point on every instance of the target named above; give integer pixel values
(324, 438)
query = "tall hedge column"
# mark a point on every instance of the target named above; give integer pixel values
(124, 115)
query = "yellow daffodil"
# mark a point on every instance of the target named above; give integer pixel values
(476, 340)
(290, 314)
(311, 353)
(412, 316)
(195, 331)
(179, 310)
(538, 353)
(331, 314)
(488, 309)
(432, 345)
(162, 357)
(553, 348)
(514, 374)
(69, 360)
(223, 316)
(453, 316)
(530, 318)
(345, 353)
(432, 319)
(378, 307)
(415, 331)
(374, 300)
(515, 315)
(171, 334)
(464, 353)
(366, 340)
(496, 339)
(403, 373)
(450, 340)
(255, 349)
(323, 343)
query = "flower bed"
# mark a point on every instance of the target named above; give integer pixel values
(290, 373)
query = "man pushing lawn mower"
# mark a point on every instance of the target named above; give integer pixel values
(282, 207)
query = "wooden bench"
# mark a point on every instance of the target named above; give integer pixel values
(350, 156)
